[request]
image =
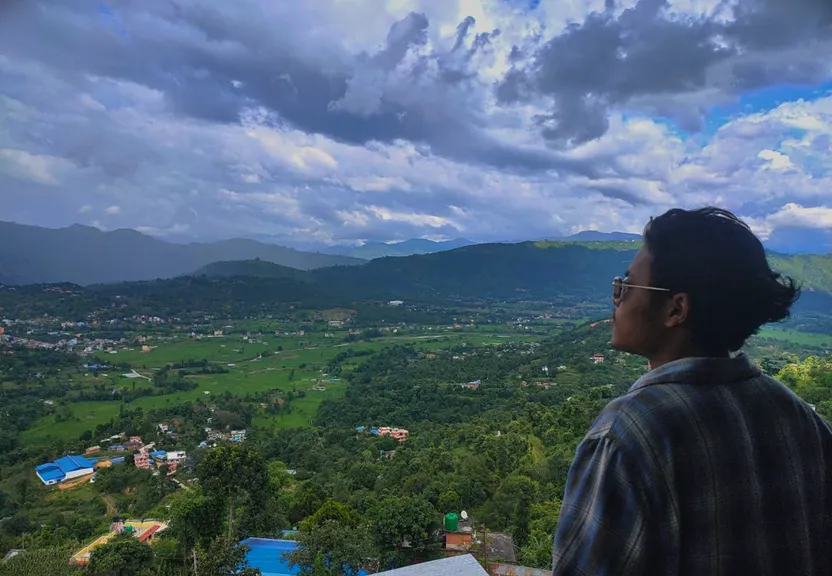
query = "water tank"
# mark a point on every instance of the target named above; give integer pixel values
(451, 522)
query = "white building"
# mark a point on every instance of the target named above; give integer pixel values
(177, 456)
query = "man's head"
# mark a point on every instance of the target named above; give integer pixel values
(700, 286)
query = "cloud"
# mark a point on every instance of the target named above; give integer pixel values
(329, 121)
(36, 168)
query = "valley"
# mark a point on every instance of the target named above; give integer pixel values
(408, 387)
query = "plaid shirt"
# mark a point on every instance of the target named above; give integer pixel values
(706, 466)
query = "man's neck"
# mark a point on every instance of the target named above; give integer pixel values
(666, 356)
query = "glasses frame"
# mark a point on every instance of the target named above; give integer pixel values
(620, 285)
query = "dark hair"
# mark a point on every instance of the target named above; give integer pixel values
(716, 259)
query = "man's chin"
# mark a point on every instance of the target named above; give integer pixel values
(619, 346)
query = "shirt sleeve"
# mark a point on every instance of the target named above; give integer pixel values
(602, 526)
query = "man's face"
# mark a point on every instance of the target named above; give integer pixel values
(637, 327)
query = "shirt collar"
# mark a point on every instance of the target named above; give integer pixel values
(701, 370)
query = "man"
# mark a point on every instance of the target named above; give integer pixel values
(706, 466)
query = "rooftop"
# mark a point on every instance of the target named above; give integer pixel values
(464, 565)
(72, 463)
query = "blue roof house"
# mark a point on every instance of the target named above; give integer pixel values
(65, 468)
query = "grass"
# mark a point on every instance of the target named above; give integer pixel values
(795, 337)
(87, 415)
(248, 373)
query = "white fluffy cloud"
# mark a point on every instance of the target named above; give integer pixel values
(336, 121)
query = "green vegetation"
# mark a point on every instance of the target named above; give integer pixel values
(814, 270)
(802, 338)
(495, 396)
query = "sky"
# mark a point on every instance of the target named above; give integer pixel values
(343, 121)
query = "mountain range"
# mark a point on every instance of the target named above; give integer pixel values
(86, 255)
(569, 275)
(372, 250)
(413, 246)
(548, 270)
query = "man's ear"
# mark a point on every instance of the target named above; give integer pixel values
(677, 310)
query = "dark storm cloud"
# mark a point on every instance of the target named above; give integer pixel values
(210, 63)
(608, 59)
(195, 53)
(154, 103)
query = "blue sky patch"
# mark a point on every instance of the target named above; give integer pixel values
(762, 100)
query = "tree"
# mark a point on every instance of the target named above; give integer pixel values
(121, 556)
(236, 476)
(537, 553)
(195, 518)
(332, 549)
(449, 501)
(332, 510)
(405, 526)
(224, 557)
(522, 513)
(810, 379)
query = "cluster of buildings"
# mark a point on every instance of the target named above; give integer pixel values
(148, 458)
(68, 468)
(399, 434)
(214, 436)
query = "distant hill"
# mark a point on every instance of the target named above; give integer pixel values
(569, 274)
(595, 236)
(371, 250)
(542, 270)
(252, 269)
(814, 270)
(85, 255)
(527, 270)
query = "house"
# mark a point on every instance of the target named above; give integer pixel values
(66, 468)
(175, 457)
(464, 565)
(399, 434)
(238, 435)
(92, 450)
(142, 460)
(597, 358)
(134, 443)
(158, 455)
(116, 448)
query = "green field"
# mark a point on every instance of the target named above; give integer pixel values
(301, 359)
(802, 338)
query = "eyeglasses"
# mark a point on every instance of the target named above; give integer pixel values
(620, 285)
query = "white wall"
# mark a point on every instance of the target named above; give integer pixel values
(78, 473)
